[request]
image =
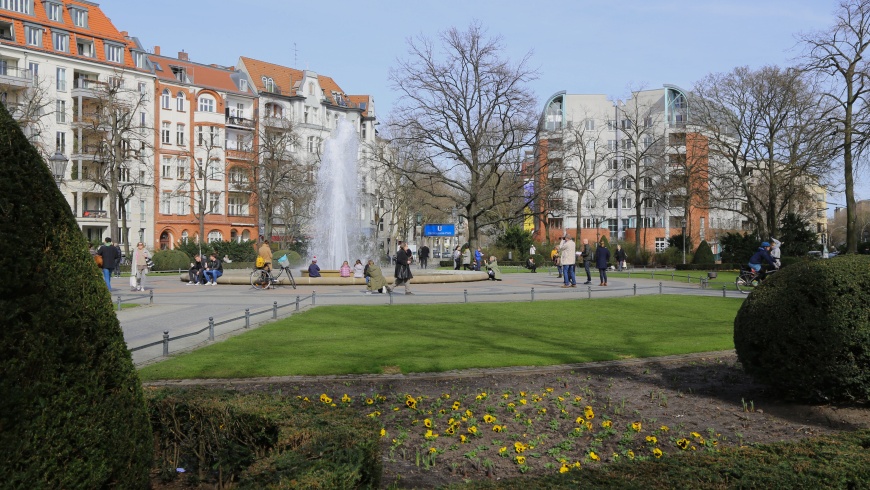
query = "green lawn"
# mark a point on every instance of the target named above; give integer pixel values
(432, 338)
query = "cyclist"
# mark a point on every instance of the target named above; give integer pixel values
(265, 251)
(763, 253)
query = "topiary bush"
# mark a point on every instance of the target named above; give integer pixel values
(171, 260)
(806, 330)
(72, 413)
(703, 254)
(294, 258)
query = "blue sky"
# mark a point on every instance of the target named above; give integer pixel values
(581, 46)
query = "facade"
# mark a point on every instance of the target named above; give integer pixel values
(82, 89)
(205, 132)
(296, 111)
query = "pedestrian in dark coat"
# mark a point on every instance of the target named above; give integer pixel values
(602, 257)
(403, 269)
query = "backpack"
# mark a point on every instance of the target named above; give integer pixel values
(261, 262)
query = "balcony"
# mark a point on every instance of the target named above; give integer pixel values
(95, 214)
(87, 88)
(239, 119)
(14, 78)
(276, 121)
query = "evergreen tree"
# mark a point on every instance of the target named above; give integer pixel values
(72, 414)
(796, 236)
(704, 254)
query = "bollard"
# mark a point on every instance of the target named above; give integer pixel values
(689, 278)
(313, 297)
(589, 289)
(629, 274)
(211, 328)
(703, 283)
(274, 310)
(165, 343)
(391, 295)
(660, 288)
(634, 287)
(151, 297)
(119, 303)
(465, 294)
(533, 294)
(652, 275)
(672, 275)
(297, 303)
(247, 318)
(723, 291)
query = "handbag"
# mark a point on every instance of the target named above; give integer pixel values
(99, 260)
(149, 263)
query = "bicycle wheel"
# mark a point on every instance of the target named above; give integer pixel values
(290, 274)
(260, 279)
(746, 282)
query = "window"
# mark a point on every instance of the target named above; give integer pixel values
(7, 32)
(647, 142)
(164, 133)
(612, 203)
(214, 203)
(166, 168)
(614, 164)
(139, 59)
(165, 203)
(243, 85)
(647, 122)
(627, 203)
(85, 47)
(79, 16)
(213, 170)
(33, 35)
(124, 176)
(60, 111)
(589, 124)
(611, 124)
(181, 169)
(626, 124)
(311, 144)
(613, 226)
(179, 73)
(611, 144)
(20, 6)
(587, 223)
(164, 99)
(612, 184)
(114, 53)
(60, 40)
(237, 206)
(60, 79)
(179, 135)
(179, 101)
(646, 182)
(200, 139)
(214, 236)
(214, 135)
(310, 88)
(143, 87)
(142, 214)
(626, 144)
(647, 202)
(305, 116)
(181, 205)
(142, 119)
(206, 104)
(238, 176)
(60, 142)
(661, 244)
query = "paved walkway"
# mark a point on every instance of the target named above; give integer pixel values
(183, 309)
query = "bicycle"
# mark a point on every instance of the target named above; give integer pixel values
(747, 280)
(262, 279)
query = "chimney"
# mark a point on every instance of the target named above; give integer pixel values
(182, 56)
(157, 50)
(125, 34)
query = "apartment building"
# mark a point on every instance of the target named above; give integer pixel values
(205, 160)
(74, 82)
(296, 111)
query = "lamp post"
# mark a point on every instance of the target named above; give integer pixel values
(57, 163)
(683, 223)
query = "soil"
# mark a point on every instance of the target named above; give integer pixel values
(562, 417)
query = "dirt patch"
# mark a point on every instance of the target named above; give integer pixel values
(449, 427)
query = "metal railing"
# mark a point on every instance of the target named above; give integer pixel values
(120, 299)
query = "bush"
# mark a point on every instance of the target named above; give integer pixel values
(704, 254)
(242, 251)
(72, 414)
(171, 260)
(806, 330)
(294, 258)
(631, 254)
(738, 247)
(672, 256)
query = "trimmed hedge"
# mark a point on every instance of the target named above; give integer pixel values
(806, 330)
(294, 258)
(72, 414)
(262, 441)
(171, 260)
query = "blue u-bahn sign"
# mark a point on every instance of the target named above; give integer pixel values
(439, 230)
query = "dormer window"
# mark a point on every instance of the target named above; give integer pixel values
(20, 6)
(60, 41)
(33, 34)
(85, 47)
(179, 73)
(139, 59)
(6, 32)
(243, 85)
(114, 53)
(54, 11)
(79, 16)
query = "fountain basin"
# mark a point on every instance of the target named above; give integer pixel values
(241, 277)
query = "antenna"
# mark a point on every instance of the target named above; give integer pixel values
(295, 55)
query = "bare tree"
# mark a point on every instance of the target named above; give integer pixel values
(839, 56)
(470, 113)
(767, 140)
(119, 140)
(30, 107)
(201, 175)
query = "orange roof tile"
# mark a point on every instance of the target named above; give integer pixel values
(201, 75)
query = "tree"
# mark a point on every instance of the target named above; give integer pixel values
(469, 112)
(839, 56)
(113, 132)
(796, 236)
(516, 239)
(30, 108)
(197, 182)
(71, 405)
(704, 254)
(768, 143)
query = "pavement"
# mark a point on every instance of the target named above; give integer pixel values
(184, 310)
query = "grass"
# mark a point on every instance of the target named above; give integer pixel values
(433, 338)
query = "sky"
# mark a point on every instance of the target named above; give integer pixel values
(580, 46)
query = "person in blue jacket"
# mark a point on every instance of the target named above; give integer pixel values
(763, 253)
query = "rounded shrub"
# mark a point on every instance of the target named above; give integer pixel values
(72, 412)
(703, 254)
(294, 258)
(806, 330)
(171, 260)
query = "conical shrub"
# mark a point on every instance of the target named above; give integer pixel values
(72, 414)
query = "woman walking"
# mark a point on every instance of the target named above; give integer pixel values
(139, 267)
(620, 258)
(602, 256)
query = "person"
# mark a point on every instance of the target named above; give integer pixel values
(478, 257)
(620, 258)
(492, 269)
(344, 270)
(265, 251)
(194, 274)
(457, 258)
(111, 256)
(567, 250)
(776, 251)
(466, 259)
(139, 267)
(586, 255)
(214, 268)
(763, 253)
(424, 256)
(403, 270)
(358, 269)
(530, 264)
(554, 256)
(313, 268)
(375, 281)
(532, 250)
(602, 257)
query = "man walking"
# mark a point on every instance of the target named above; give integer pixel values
(567, 249)
(424, 256)
(111, 256)
(586, 255)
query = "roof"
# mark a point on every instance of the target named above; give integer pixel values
(99, 29)
(200, 75)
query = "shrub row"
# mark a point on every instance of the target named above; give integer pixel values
(260, 441)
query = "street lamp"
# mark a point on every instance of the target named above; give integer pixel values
(58, 162)
(683, 223)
